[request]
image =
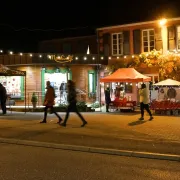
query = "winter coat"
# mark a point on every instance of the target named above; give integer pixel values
(49, 97)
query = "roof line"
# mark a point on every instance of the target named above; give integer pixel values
(135, 24)
(66, 38)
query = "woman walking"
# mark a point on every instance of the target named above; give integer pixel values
(49, 102)
(72, 104)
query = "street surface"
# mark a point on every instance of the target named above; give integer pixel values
(34, 163)
(112, 130)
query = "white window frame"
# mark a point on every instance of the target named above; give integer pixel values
(148, 39)
(117, 44)
(178, 48)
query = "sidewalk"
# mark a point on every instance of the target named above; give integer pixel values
(113, 131)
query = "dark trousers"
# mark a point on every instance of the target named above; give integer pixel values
(52, 111)
(146, 107)
(107, 107)
(73, 108)
(3, 106)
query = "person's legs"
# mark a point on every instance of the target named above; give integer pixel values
(3, 106)
(146, 107)
(80, 116)
(53, 111)
(142, 111)
(107, 107)
(45, 115)
(67, 116)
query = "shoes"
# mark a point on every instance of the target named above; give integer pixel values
(151, 118)
(43, 121)
(84, 123)
(63, 124)
(60, 120)
(141, 118)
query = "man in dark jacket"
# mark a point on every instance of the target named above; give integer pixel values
(3, 97)
(107, 98)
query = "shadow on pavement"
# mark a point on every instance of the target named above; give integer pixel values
(134, 123)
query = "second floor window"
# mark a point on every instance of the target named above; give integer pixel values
(148, 40)
(117, 44)
(178, 37)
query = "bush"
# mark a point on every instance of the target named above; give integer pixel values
(81, 104)
(34, 98)
(95, 105)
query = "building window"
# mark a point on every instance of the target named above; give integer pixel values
(117, 44)
(178, 37)
(148, 40)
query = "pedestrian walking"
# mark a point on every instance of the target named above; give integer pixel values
(107, 98)
(49, 102)
(144, 100)
(71, 97)
(3, 98)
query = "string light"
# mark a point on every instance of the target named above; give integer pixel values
(109, 57)
(85, 58)
(21, 54)
(117, 57)
(1, 51)
(40, 56)
(11, 52)
(102, 57)
(76, 58)
(30, 55)
(93, 58)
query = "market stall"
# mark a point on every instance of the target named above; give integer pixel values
(168, 101)
(7, 72)
(125, 75)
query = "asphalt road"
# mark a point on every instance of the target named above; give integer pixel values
(26, 163)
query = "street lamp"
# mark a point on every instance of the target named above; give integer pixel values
(162, 22)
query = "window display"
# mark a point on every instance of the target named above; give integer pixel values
(57, 81)
(13, 85)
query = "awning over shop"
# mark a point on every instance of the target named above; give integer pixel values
(126, 75)
(5, 71)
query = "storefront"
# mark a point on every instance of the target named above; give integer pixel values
(83, 69)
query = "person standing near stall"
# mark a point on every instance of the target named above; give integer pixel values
(107, 98)
(3, 97)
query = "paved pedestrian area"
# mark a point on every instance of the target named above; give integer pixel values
(105, 130)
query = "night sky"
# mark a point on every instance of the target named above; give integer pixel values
(23, 24)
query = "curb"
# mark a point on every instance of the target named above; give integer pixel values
(92, 149)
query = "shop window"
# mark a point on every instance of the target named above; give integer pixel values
(148, 40)
(14, 86)
(56, 78)
(128, 88)
(91, 83)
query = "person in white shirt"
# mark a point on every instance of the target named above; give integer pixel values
(144, 100)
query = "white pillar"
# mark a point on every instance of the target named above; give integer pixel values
(164, 34)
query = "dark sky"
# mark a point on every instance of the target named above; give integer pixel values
(23, 24)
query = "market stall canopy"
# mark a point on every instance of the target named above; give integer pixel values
(167, 82)
(126, 75)
(5, 71)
